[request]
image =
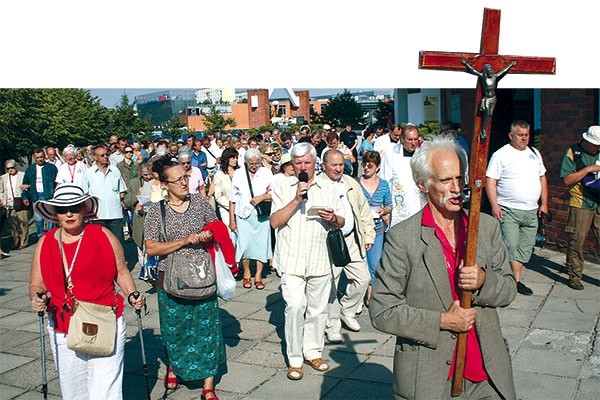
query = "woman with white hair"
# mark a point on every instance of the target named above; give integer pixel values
(17, 212)
(251, 187)
(72, 170)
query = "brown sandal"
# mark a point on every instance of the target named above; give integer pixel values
(247, 283)
(318, 364)
(259, 285)
(295, 374)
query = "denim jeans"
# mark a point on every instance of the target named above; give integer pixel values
(39, 220)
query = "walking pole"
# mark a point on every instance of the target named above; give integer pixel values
(43, 350)
(136, 294)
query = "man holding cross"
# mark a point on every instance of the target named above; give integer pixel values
(418, 282)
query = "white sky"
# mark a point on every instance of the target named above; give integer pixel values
(273, 43)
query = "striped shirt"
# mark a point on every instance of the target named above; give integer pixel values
(300, 248)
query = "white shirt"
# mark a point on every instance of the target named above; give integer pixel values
(383, 143)
(240, 190)
(517, 173)
(71, 174)
(340, 187)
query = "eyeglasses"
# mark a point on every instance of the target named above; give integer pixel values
(128, 151)
(185, 163)
(74, 209)
(180, 180)
(101, 155)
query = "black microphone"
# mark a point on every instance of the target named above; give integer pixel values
(303, 177)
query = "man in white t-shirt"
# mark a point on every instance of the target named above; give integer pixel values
(516, 180)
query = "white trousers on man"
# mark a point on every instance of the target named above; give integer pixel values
(86, 377)
(358, 276)
(305, 316)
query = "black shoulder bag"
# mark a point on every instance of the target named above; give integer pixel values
(263, 209)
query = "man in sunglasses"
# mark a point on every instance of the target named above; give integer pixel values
(105, 181)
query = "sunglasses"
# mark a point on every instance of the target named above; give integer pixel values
(74, 209)
(269, 154)
(128, 151)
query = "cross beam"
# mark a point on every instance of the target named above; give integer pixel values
(489, 67)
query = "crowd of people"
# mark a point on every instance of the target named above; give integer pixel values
(269, 201)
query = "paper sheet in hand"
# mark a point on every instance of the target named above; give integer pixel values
(314, 211)
(144, 200)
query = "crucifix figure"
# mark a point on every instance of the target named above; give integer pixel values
(483, 65)
(488, 81)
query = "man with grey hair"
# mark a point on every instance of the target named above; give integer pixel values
(11, 202)
(419, 280)
(359, 233)
(71, 171)
(303, 210)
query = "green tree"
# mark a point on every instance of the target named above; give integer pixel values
(383, 113)
(173, 127)
(125, 121)
(342, 109)
(215, 121)
(31, 118)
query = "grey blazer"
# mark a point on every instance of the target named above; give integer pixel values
(412, 289)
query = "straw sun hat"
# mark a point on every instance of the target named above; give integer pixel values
(64, 196)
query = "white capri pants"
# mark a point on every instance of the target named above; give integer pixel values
(83, 376)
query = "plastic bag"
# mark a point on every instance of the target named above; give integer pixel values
(225, 279)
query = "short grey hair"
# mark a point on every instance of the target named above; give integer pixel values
(184, 154)
(10, 163)
(252, 153)
(70, 149)
(420, 162)
(302, 149)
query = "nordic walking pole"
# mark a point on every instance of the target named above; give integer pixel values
(43, 350)
(136, 294)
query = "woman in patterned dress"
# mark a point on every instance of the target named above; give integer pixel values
(190, 329)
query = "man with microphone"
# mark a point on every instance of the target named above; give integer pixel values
(302, 212)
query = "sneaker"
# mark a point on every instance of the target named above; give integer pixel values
(350, 322)
(575, 285)
(524, 290)
(4, 255)
(333, 337)
(359, 309)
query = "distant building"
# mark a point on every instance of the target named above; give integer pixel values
(164, 105)
(215, 96)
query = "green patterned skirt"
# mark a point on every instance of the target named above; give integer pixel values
(192, 335)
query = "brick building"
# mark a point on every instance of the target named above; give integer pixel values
(558, 117)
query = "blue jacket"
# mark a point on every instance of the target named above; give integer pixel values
(49, 172)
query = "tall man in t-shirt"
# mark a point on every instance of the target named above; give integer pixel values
(515, 181)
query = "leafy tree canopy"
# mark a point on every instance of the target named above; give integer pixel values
(214, 121)
(343, 109)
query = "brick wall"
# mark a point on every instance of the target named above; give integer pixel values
(566, 114)
(258, 116)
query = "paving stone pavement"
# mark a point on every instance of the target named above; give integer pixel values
(552, 337)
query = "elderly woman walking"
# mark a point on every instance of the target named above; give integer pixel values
(190, 328)
(251, 189)
(80, 262)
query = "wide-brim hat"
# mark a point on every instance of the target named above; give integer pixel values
(64, 196)
(592, 135)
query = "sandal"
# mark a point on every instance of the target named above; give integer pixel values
(209, 391)
(247, 283)
(170, 379)
(318, 364)
(259, 285)
(294, 373)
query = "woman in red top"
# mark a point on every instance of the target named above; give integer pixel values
(94, 262)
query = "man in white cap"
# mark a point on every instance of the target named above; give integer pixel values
(579, 170)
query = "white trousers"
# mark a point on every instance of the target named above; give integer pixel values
(305, 316)
(358, 276)
(86, 377)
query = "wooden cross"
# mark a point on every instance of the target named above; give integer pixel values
(490, 67)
